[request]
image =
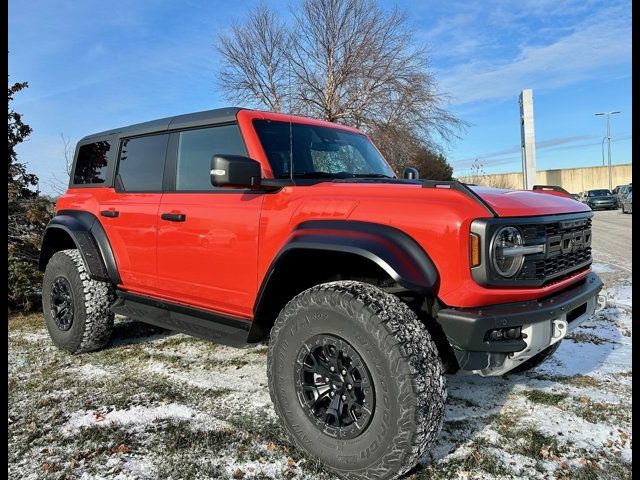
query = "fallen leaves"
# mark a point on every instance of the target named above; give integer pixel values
(238, 473)
(122, 448)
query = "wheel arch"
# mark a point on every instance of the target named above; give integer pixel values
(340, 250)
(81, 230)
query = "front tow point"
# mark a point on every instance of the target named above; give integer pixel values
(559, 330)
(601, 301)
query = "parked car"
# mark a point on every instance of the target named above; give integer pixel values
(626, 203)
(241, 226)
(601, 198)
(620, 192)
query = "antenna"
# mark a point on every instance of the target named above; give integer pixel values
(290, 125)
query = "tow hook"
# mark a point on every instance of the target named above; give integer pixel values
(601, 302)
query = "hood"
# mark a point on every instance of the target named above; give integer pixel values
(527, 203)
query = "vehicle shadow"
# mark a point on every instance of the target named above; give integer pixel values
(127, 332)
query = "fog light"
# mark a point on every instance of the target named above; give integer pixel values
(497, 334)
(513, 332)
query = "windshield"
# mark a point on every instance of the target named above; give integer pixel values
(599, 193)
(319, 152)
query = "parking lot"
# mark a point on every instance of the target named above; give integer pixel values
(612, 237)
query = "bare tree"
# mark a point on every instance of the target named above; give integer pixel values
(57, 184)
(348, 61)
(255, 64)
(478, 176)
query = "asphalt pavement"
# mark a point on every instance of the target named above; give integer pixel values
(612, 237)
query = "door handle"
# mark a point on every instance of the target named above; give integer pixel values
(173, 217)
(110, 213)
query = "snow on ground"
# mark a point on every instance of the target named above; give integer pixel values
(161, 405)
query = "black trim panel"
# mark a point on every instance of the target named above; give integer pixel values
(466, 327)
(391, 249)
(90, 239)
(462, 188)
(199, 323)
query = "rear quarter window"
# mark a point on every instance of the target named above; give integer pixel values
(141, 163)
(92, 163)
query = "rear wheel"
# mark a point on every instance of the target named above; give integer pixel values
(356, 380)
(76, 308)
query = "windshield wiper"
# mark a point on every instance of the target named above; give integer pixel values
(321, 175)
(371, 175)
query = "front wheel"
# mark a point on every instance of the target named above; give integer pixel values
(356, 380)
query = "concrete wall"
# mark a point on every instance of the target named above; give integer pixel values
(573, 180)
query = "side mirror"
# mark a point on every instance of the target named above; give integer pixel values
(235, 171)
(410, 173)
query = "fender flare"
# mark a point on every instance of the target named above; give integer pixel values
(90, 239)
(391, 249)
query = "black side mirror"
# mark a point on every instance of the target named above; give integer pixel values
(410, 173)
(235, 171)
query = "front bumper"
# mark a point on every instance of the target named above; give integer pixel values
(603, 204)
(543, 322)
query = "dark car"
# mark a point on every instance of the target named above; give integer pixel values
(626, 203)
(602, 198)
(621, 191)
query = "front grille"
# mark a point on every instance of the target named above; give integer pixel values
(567, 249)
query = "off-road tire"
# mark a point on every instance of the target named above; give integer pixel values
(537, 359)
(92, 323)
(405, 368)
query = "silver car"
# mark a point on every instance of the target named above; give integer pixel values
(626, 203)
(620, 192)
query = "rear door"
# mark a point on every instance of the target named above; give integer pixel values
(129, 213)
(207, 236)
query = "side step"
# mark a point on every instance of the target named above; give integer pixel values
(199, 323)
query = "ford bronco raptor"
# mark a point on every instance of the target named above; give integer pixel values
(242, 226)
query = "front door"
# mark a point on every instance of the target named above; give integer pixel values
(207, 236)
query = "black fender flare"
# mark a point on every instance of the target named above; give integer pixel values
(390, 248)
(90, 239)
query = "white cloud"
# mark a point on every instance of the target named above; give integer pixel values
(601, 41)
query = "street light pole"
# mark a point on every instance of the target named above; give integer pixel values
(602, 149)
(608, 141)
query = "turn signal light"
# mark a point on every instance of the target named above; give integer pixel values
(475, 249)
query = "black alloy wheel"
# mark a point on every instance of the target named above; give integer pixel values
(334, 386)
(62, 303)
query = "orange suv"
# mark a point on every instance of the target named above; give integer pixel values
(240, 226)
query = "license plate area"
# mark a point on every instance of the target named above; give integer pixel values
(577, 312)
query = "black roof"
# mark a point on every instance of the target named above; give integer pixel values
(207, 117)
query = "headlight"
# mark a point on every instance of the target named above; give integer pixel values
(507, 254)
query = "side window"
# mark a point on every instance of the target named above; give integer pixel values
(195, 149)
(141, 164)
(91, 165)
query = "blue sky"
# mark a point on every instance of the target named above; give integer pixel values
(96, 65)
